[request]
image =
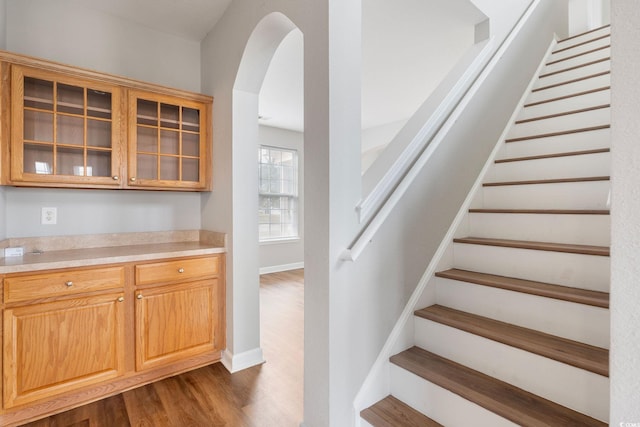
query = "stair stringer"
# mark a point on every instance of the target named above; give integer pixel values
(377, 384)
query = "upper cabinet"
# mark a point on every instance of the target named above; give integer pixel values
(64, 130)
(167, 141)
(69, 127)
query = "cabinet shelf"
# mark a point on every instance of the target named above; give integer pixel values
(172, 121)
(64, 104)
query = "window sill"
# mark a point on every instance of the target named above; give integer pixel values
(283, 240)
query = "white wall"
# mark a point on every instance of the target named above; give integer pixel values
(68, 32)
(65, 31)
(585, 15)
(98, 211)
(625, 227)
(280, 256)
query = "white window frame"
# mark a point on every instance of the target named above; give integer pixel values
(277, 182)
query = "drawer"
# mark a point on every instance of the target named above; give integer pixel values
(176, 270)
(57, 283)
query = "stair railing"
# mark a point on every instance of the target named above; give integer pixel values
(389, 192)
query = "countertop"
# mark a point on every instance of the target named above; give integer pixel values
(121, 253)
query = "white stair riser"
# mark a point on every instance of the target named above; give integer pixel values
(592, 118)
(583, 71)
(578, 49)
(571, 195)
(606, 31)
(579, 60)
(577, 322)
(439, 404)
(575, 388)
(557, 228)
(579, 141)
(569, 89)
(363, 423)
(566, 269)
(602, 97)
(596, 164)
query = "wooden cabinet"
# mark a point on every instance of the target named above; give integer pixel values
(77, 128)
(64, 129)
(74, 335)
(65, 343)
(182, 318)
(167, 141)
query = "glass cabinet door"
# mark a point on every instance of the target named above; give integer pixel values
(167, 138)
(66, 129)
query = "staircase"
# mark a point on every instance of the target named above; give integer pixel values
(519, 333)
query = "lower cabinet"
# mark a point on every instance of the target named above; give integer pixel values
(60, 346)
(176, 321)
(75, 335)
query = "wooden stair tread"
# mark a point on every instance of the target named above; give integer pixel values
(584, 33)
(552, 134)
(564, 293)
(554, 155)
(545, 211)
(575, 67)
(578, 55)
(595, 39)
(566, 113)
(539, 246)
(573, 95)
(547, 181)
(508, 401)
(580, 355)
(391, 412)
(579, 79)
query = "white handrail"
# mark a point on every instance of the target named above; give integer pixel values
(396, 193)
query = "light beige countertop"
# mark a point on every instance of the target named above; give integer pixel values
(84, 251)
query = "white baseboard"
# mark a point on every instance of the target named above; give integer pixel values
(283, 267)
(238, 362)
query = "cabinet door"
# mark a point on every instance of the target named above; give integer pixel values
(175, 322)
(65, 130)
(56, 347)
(169, 143)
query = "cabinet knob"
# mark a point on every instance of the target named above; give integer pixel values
(120, 299)
(181, 270)
(69, 283)
(132, 179)
(116, 177)
(139, 296)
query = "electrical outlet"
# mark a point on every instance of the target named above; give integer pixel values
(49, 216)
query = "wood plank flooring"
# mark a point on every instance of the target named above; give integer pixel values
(262, 396)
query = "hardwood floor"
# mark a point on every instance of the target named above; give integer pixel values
(262, 396)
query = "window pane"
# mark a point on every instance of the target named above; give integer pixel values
(277, 205)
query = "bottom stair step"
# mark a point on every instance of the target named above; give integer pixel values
(391, 412)
(508, 401)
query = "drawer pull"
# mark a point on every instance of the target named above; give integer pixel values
(121, 299)
(139, 296)
(69, 283)
(181, 270)
(115, 177)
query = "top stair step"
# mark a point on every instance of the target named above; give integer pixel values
(510, 402)
(587, 35)
(391, 412)
(580, 355)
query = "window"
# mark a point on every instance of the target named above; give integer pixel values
(278, 193)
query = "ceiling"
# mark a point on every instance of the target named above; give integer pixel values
(408, 46)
